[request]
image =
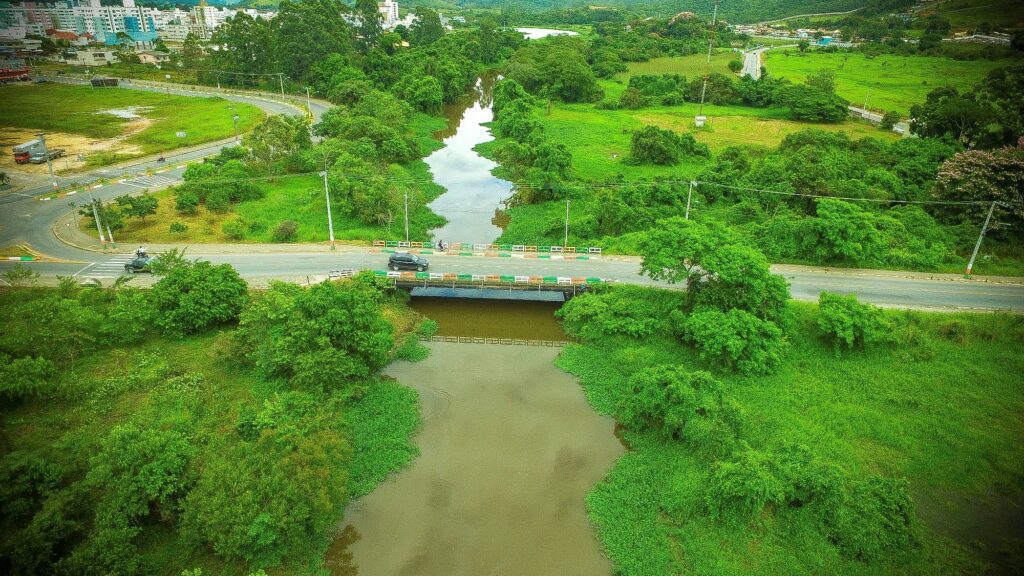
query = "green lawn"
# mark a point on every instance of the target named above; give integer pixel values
(599, 150)
(971, 13)
(76, 110)
(942, 406)
(895, 82)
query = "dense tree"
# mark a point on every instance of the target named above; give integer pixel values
(734, 338)
(808, 103)
(426, 28)
(370, 26)
(25, 377)
(948, 113)
(555, 68)
(137, 206)
(276, 138)
(246, 50)
(985, 176)
(309, 30)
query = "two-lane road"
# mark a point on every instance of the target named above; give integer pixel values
(893, 289)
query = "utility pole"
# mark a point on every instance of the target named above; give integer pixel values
(406, 215)
(280, 80)
(707, 69)
(308, 109)
(566, 242)
(689, 193)
(327, 193)
(96, 215)
(49, 165)
(234, 118)
(984, 228)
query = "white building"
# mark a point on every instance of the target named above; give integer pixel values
(388, 13)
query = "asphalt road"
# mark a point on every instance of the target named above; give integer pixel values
(25, 219)
(882, 288)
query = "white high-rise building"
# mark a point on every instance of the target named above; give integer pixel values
(388, 12)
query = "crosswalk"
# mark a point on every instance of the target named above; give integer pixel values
(154, 181)
(111, 268)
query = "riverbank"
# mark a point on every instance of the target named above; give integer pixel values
(935, 410)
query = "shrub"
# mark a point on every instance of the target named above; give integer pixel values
(218, 201)
(736, 338)
(877, 517)
(735, 65)
(621, 310)
(286, 231)
(890, 119)
(25, 377)
(186, 201)
(681, 405)
(194, 296)
(233, 229)
(739, 489)
(849, 323)
(632, 99)
(653, 145)
(411, 350)
(427, 328)
(178, 228)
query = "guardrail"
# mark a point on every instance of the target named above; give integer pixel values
(453, 280)
(470, 249)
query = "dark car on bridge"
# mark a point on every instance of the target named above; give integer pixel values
(406, 261)
(139, 264)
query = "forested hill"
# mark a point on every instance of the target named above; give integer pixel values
(733, 10)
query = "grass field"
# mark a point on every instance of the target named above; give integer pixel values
(963, 14)
(599, 151)
(889, 82)
(941, 406)
(81, 110)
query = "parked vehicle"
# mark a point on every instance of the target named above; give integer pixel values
(38, 157)
(22, 152)
(139, 264)
(406, 261)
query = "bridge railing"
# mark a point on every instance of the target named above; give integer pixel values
(489, 280)
(488, 340)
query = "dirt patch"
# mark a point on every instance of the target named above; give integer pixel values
(76, 148)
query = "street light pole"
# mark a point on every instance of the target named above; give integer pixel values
(327, 194)
(566, 241)
(280, 80)
(308, 109)
(406, 215)
(234, 118)
(96, 215)
(49, 165)
(977, 246)
(689, 194)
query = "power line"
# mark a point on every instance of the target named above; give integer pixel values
(850, 198)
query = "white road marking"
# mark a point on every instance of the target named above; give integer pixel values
(87, 266)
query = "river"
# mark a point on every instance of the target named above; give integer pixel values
(508, 449)
(474, 196)
(473, 201)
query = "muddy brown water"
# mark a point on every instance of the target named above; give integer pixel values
(492, 318)
(509, 447)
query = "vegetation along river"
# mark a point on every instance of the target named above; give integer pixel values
(509, 447)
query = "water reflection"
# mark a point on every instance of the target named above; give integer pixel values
(473, 193)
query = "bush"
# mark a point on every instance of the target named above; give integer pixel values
(218, 201)
(412, 350)
(739, 489)
(25, 377)
(178, 228)
(876, 518)
(195, 296)
(681, 405)
(624, 310)
(736, 338)
(849, 323)
(890, 119)
(735, 65)
(233, 229)
(653, 145)
(632, 99)
(286, 231)
(186, 201)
